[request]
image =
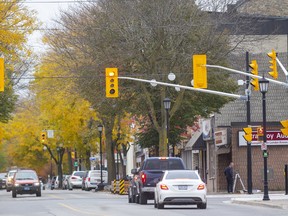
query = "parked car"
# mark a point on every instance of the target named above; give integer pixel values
(9, 179)
(66, 182)
(93, 179)
(141, 187)
(76, 179)
(53, 179)
(180, 187)
(3, 180)
(26, 182)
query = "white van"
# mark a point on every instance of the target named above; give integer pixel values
(93, 179)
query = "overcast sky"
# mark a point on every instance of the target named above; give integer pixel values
(47, 10)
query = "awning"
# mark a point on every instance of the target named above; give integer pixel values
(200, 144)
(196, 142)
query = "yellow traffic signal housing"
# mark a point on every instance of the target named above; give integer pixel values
(248, 134)
(43, 137)
(254, 82)
(199, 71)
(285, 125)
(111, 82)
(260, 133)
(2, 69)
(73, 155)
(273, 66)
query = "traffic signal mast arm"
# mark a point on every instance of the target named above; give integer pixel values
(283, 69)
(241, 97)
(247, 74)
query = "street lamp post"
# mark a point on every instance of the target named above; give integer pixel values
(167, 104)
(100, 128)
(264, 83)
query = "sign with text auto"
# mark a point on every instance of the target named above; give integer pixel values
(273, 138)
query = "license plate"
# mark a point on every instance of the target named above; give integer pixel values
(182, 187)
(26, 188)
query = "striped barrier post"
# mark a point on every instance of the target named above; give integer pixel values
(114, 186)
(121, 187)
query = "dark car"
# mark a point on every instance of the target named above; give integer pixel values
(3, 180)
(26, 182)
(143, 183)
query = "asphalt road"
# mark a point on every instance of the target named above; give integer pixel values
(83, 203)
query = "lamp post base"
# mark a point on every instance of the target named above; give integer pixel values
(100, 187)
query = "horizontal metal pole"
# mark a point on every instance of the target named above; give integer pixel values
(247, 74)
(241, 97)
(282, 67)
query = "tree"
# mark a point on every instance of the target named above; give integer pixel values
(16, 24)
(144, 38)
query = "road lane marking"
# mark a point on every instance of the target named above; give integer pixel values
(57, 197)
(78, 210)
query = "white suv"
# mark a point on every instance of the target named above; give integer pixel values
(76, 179)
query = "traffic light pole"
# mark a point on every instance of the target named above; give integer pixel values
(241, 97)
(248, 109)
(246, 74)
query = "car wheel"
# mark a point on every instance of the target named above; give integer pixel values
(160, 206)
(38, 194)
(14, 194)
(202, 205)
(129, 196)
(155, 203)
(142, 199)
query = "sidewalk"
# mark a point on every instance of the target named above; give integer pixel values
(277, 200)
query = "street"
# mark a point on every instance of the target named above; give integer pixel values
(77, 202)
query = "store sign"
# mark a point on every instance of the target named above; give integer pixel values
(273, 138)
(221, 137)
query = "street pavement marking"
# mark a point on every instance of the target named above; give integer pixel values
(77, 210)
(54, 196)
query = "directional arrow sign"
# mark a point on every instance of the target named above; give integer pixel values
(285, 125)
(248, 134)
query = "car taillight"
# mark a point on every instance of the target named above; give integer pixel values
(143, 178)
(164, 187)
(73, 177)
(201, 187)
(89, 179)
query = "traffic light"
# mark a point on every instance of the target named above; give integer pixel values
(73, 155)
(254, 82)
(43, 137)
(285, 125)
(111, 82)
(248, 134)
(260, 133)
(273, 66)
(2, 74)
(199, 71)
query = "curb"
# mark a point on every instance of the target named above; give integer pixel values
(260, 203)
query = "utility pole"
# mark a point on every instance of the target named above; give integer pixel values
(248, 109)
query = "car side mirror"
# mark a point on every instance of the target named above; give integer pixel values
(134, 171)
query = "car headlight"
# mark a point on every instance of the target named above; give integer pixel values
(36, 184)
(17, 185)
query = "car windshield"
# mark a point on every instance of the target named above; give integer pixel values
(26, 176)
(80, 174)
(98, 173)
(11, 173)
(2, 175)
(182, 175)
(157, 164)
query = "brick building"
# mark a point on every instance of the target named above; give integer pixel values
(274, 17)
(269, 19)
